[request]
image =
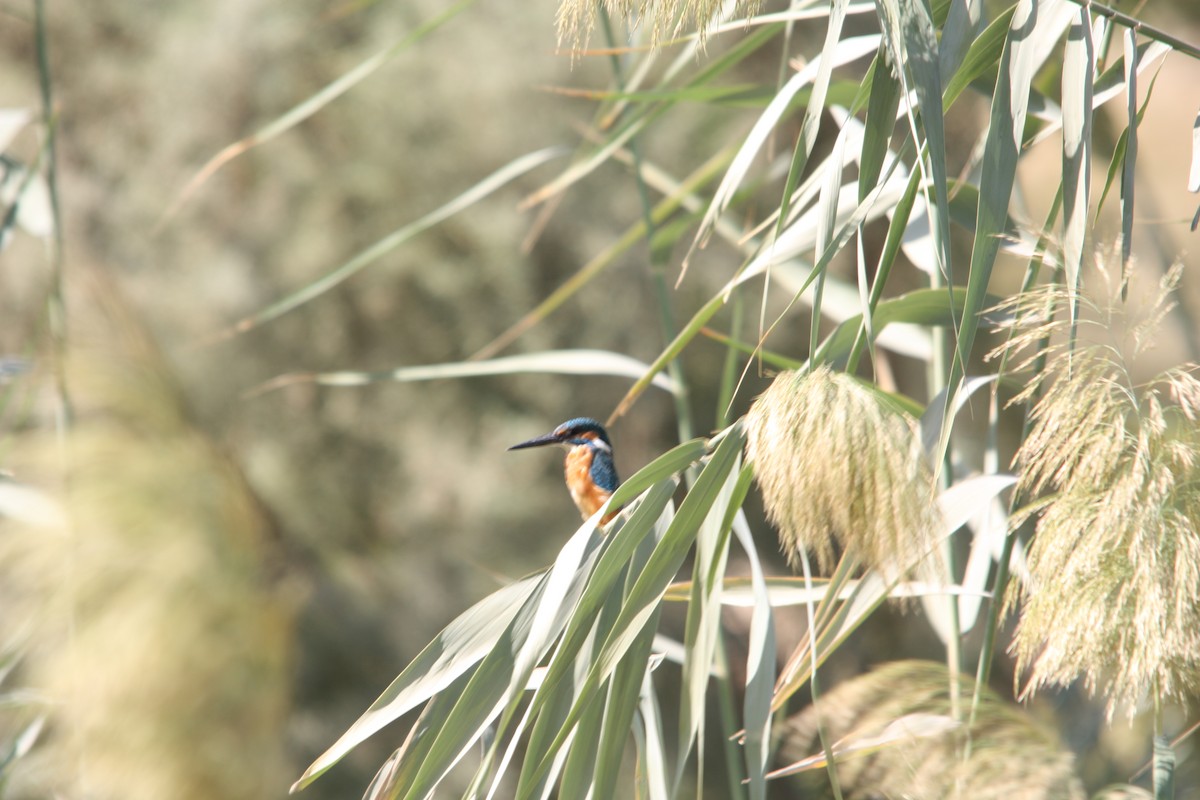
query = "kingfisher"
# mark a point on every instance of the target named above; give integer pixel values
(591, 475)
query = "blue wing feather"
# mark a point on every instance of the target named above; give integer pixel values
(603, 471)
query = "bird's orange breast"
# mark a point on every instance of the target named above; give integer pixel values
(584, 491)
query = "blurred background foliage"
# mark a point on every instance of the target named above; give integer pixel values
(248, 572)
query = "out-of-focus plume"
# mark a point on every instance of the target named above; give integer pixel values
(158, 621)
(1008, 754)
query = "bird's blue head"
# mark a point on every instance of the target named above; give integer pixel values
(573, 432)
(591, 474)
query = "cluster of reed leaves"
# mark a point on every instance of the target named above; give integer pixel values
(538, 689)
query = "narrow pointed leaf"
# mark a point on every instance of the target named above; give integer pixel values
(913, 43)
(504, 672)
(760, 668)
(459, 646)
(847, 51)
(881, 122)
(1077, 90)
(560, 362)
(1194, 173)
(702, 626)
(647, 591)
(1129, 163)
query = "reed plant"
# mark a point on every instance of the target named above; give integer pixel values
(802, 195)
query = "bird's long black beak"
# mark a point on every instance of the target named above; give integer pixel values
(541, 441)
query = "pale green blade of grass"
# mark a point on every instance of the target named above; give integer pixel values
(1077, 83)
(784, 591)
(810, 126)
(27, 194)
(22, 743)
(961, 502)
(914, 46)
(989, 528)
(668, 465)
(936, 416)
(1117, 161)
(760, 666)
(645, 597)
(579, 770)
(882, 107)
(506, 759)
(309, 106)
(798, 196)
(842, 302)
(910, 313)
(799, 12)
(962, 23)
(847, 51)
(553, 701)
(800, 237)
(624, 687)
(795, 671)
(864, 300)
(964, 499)
(459, 646)
(588, 627)
(982, 56)
(12, 120)
(621, 703)
(1006, 128)
(702, 627)
(1193, 184)
(727, 693)
(386, 783)
(827, 212)
(1109, 84)
(900, 731)
(887, 258)
(652, 751)
(471, 196)
(560, 362)
(504, 672)
(1129, 163)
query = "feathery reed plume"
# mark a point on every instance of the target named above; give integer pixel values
(1114, 595)
(667, 17)
(1009, 755)
(162, 624)
(834, 464)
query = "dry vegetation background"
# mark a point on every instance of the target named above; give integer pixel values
(258, 568)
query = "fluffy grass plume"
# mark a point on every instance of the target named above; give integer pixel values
(1009, 755)
(1114, 595)
(160, 627)
(836, 465)
(667, 18)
